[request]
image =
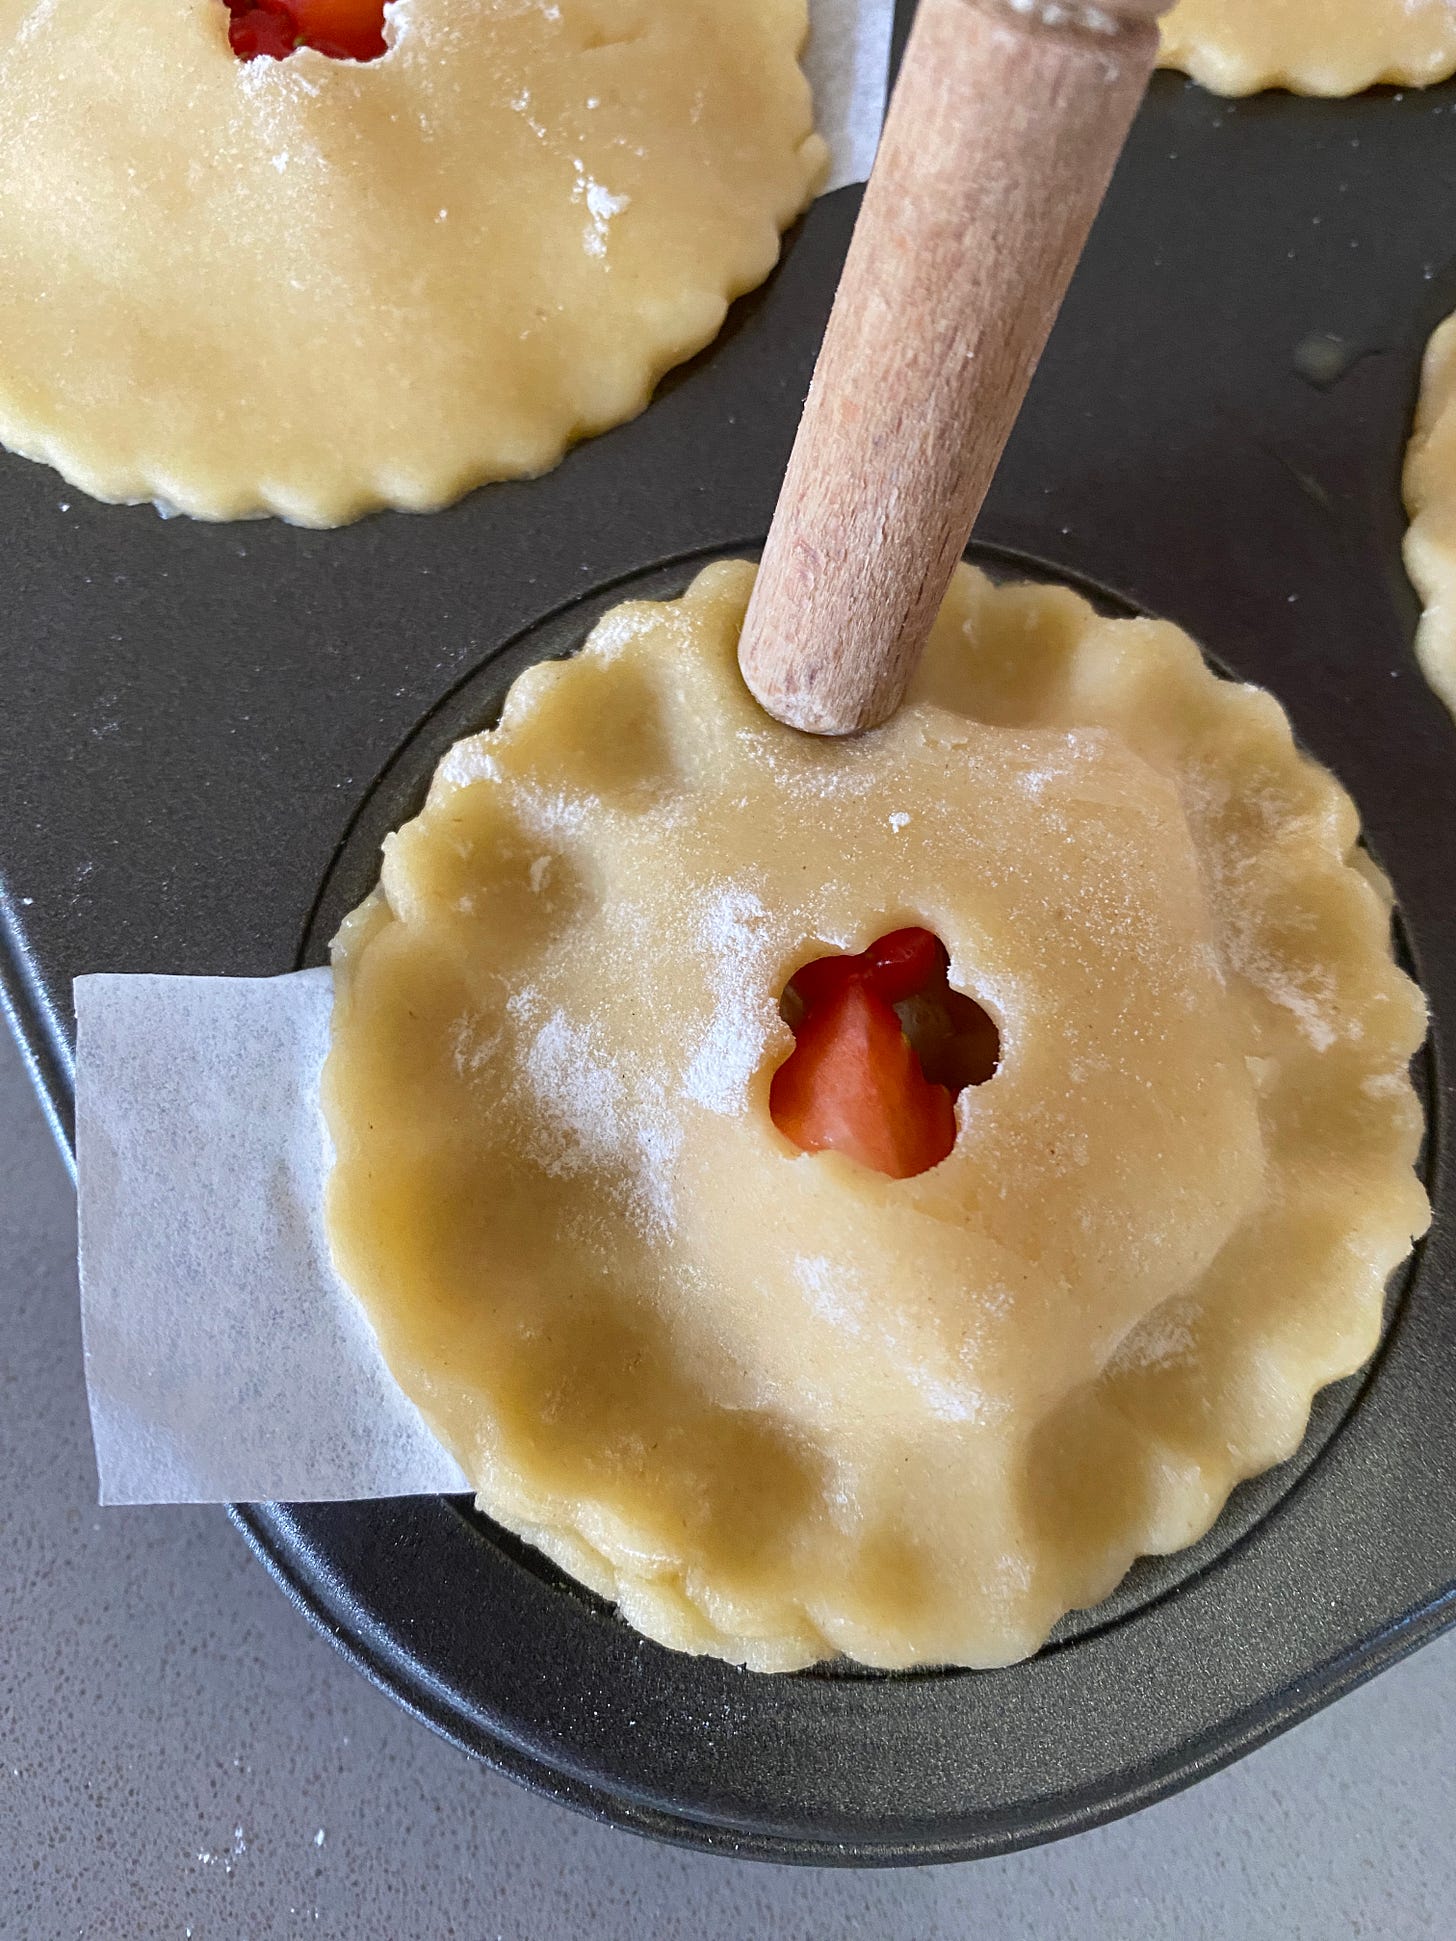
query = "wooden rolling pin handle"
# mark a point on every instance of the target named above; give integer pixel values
(1002, 134)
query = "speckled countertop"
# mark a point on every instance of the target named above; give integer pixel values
(181, 1756)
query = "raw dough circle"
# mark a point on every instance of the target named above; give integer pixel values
(1430, 496)
(1330, 47)
(313, 287)
(778, 1406)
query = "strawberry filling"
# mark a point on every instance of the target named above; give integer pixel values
(346, 30)
(882, 1048)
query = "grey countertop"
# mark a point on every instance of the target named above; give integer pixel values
(181, 1756)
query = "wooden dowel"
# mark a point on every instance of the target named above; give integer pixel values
(1005, 124)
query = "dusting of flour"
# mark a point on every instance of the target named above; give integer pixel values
(733, 932)
(594, 1115)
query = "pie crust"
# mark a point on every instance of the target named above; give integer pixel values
(1430, 495)
(1331, 47)
(778, 1406)
(313, 287)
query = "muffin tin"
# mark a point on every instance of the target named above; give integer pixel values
(207, 729)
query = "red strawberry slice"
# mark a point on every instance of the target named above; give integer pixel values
(883, 1046)
(266, 29)
(852, 1084)
(350, 30)
(346, 30)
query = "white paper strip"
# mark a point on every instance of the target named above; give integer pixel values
(847, 62)
(224, 1360)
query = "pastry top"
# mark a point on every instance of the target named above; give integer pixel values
(312, 286)
(1430, 495)
(1331, 47)
(780, 1406)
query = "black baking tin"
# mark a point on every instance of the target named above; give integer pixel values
(206, 729)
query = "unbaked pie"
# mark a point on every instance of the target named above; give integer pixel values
(1310, 46)
(775, 1403)
(312, 286)
(1430, 492)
